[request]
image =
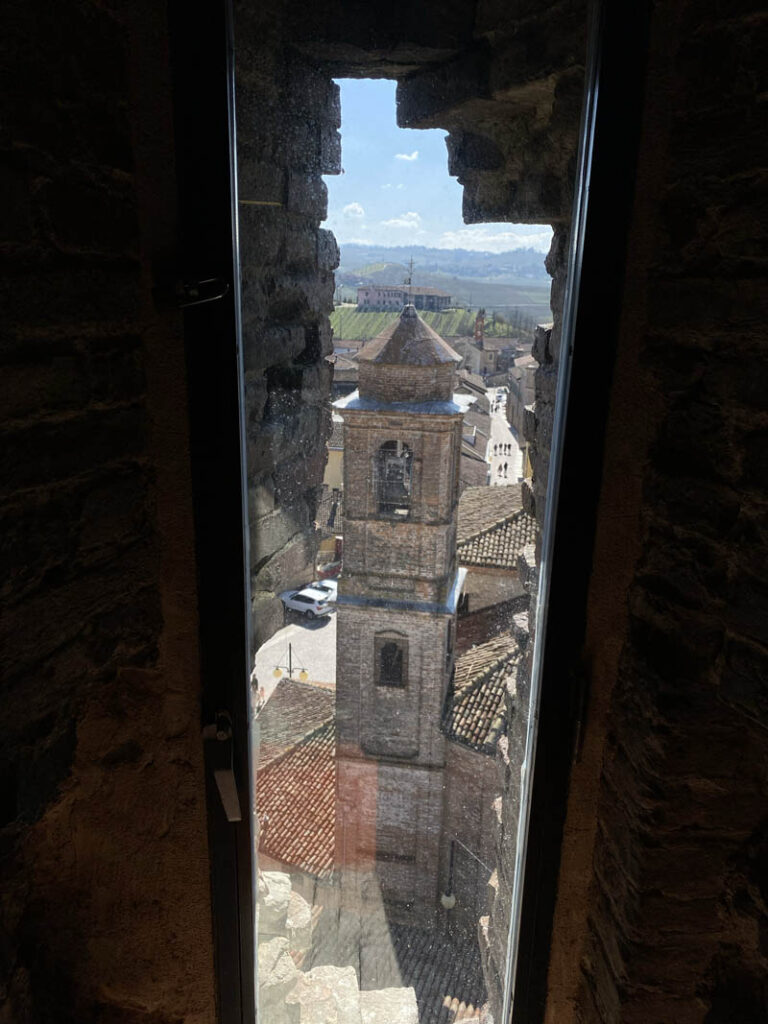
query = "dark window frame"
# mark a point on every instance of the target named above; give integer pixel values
(202, 93)
(611, 128)
(380, 642)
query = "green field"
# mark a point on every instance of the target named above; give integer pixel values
(347, 323)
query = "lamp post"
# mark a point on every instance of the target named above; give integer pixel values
(279, 669)
(448, 898)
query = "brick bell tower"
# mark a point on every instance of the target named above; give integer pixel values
(396, 614)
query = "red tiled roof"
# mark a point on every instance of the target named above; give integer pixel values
(483, 507)
(296, 804)
(408, 341)
(294, 710)
(499, 546)
(474, 711)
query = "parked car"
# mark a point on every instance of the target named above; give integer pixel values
(328, 587)
(311, 603)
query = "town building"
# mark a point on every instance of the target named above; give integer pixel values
(381, 298)
(493, 531)
(521, 382)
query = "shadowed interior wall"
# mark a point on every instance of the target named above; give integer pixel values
(662, 907)
(105, 895)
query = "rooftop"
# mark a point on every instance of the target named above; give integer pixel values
(499, 546)
(296, 802)
(493, 528)
(472, 380)
(294, 710)
(411, 289)
(474, 707)
(490, 342)
(469, 449)
(409, 341)
(483, 507)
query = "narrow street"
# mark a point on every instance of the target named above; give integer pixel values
(504, 454)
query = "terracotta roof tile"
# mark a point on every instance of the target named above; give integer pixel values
(294, 710)
(409, 341)
(483, 507)
(296, 804)
(472, 380)
(474, 709)
(445, 973)
(499, 546)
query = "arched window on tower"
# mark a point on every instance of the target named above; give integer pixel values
(391, 660)
(393, 474)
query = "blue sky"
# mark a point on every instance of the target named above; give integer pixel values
(396, 190)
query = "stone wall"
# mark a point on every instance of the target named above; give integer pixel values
(288, 116)
(407, 383)
(488, 588)
(105, 888)
(662, 913)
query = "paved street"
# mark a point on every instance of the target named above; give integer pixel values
(313, 647)
(504, 455)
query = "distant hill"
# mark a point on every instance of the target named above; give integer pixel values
(496, 281)
(517, 266)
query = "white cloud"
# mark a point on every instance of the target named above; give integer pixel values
(496, 238)
(407, 156)
(406, 220)
(353, 210)
(388, 185)
(401, 186)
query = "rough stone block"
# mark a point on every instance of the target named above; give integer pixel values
(307, 196)
(260, 182)
(267, 616)
(328, 255)
(389, 1006)
(298, 923)
(330, 150)
(273, 902)
(292, 562)
(327, 995)
(278, 976)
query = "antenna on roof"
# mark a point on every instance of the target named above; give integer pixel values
(409, 281)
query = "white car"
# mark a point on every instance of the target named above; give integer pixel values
(329, 587)
(311, 603)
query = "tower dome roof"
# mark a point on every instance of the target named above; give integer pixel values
(408, 342)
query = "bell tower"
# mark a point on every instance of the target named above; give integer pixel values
(396, 609)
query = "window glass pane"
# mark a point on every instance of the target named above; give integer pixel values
(401, 367)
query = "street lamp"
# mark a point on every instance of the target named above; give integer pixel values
(278, 669)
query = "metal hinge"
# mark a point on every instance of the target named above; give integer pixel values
(221, 761)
